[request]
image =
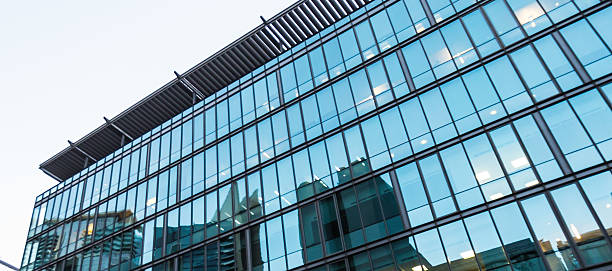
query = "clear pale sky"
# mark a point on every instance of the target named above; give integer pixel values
(66, 64)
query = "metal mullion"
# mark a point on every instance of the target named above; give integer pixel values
(405, 70)
(263, 225)
(400, 199)
(564, 229)
(437, 230)
(487, 20)
(552, 143)
(320, 227)
(281, 96)
(428, 12)
(367, 74)
(501, 163)
(447, 181)
(380, 207)
(486, 72)
(301, 229)
(334, 199)
(283, 232)
(498, 235)
(518, 73)
(520, 26)
(391, 88)
(537, 247)
(472, 243)
(494, 204)
(360, 52)
(467, 157)
(425, 189)
(526, 153)
(588, 133)
(452, 59)
(354, 190)
(553, 79)
(247, 244)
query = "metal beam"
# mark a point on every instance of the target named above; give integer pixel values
(118, 129)
(81, 151)
(277, 36)
(290, 27)
(50, 175)
(182, 81)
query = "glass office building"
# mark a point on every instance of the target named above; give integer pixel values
(356, 135)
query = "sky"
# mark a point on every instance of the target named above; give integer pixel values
(64, 65)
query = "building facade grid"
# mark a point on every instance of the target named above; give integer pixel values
(420, 135)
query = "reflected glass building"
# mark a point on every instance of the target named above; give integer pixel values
(356, 135)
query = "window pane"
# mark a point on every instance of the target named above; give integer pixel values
(488, 248)
(458, 250)
(430, 251)
(582, 226)
(557, 63)
(520, 247)
(415, 199)
(598, 189)
(556, 249)
(437, 186)
(350, 217)
(572, 139)
(588, 47)
(594, 114)
(533, 73)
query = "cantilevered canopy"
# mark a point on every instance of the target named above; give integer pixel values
(290, 27)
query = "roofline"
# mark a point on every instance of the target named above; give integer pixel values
(295, 24)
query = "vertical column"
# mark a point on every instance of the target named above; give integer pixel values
(573, 59)
(402, 61)
(552, 144)
(400, 199)
(428, 12)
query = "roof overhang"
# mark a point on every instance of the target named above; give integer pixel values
(290, 27)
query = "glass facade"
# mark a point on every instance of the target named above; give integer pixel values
(410, 135)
